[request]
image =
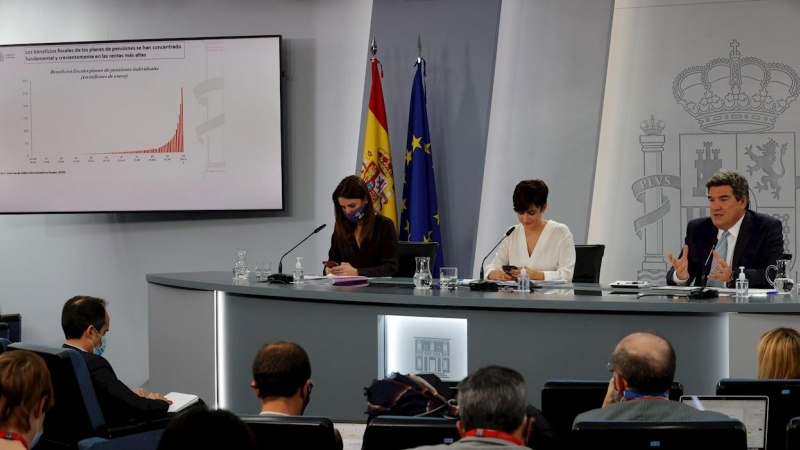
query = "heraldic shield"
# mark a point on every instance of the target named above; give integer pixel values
(767, 160)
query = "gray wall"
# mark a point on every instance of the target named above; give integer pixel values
(49, 258)
(459, 39)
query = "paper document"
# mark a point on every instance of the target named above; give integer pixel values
(178, 401)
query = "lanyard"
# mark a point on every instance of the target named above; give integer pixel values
(11, 436)
(630, 395)
(480, 432)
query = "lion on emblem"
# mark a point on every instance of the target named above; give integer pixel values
(764, 162)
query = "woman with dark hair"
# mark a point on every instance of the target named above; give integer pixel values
(545, 248)
(363, 242)
(26, 394)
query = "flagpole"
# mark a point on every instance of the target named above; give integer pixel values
(419, 49)
(373, 47)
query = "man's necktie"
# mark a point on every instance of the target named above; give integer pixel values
(722, 249)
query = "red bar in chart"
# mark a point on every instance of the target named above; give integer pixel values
(175, 145)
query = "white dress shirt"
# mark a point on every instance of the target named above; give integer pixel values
(734, 234)
(554, 253)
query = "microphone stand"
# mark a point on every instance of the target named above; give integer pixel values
(280, 277)
(486, 285)
(701, 293)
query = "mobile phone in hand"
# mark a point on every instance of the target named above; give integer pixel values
(330, 264)
(508, 269)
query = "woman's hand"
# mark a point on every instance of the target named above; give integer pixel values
(344, 269)
(499, 275)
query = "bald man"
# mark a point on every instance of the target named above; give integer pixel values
(644, 367)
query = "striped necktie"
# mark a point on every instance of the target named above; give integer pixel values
(722, 249)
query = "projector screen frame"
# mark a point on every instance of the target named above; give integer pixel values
(248, 212)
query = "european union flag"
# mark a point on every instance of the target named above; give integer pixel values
(419, 218)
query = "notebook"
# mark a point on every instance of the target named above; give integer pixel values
(352, 434)
(178, 401)
(750, 410)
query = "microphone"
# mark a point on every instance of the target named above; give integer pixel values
(280, 277)
(484, 285)
(701, 292)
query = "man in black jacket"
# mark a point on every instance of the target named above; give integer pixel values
(85, 323)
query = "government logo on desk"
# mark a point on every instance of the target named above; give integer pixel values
(736, 102)
(432, 355)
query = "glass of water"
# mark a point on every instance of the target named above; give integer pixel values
(263, 269)
(240, 271)
(448, 278)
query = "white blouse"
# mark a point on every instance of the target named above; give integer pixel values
(554, 253)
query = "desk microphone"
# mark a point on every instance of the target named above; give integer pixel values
(484, 285)
(280, 277)
(701, 292)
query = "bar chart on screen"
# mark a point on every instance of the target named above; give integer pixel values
(158, 125)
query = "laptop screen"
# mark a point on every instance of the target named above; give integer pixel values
(750, 410)
(352, 434)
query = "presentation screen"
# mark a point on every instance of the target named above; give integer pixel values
(158, 125)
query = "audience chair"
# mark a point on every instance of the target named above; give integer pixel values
(408, 251)
(402, 432)
(588, 259)
(76, 420)
(792, 433)
(4, 343)
(563, 400)
(728, 434)
(784, 403)
(14, 323)
(285, 432)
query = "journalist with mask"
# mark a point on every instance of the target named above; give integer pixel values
(363, 242)
(26, 394)
(85, 322)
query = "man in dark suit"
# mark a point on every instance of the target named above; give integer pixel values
(644, 367)
(85, 322)
(744, 239)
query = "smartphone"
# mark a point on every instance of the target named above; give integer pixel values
(508, 269)
(330, 264)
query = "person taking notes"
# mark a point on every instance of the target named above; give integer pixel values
(544, 247)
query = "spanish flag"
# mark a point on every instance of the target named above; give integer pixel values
(376, 165)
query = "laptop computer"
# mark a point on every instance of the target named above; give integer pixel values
(751, 410)
(352, 433)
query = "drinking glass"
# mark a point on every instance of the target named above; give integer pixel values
(448, 278)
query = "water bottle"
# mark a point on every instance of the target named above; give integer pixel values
(523, 282)
(742, 285)
(297, 277)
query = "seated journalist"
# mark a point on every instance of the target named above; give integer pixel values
(744, 238)
(544, 247)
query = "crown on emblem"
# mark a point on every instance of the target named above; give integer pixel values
(652, 127)
(736, 94)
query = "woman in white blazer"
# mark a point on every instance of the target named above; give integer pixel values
(544, 247)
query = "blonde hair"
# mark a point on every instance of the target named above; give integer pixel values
(779, 354)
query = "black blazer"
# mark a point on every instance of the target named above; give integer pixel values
(377, 256)
(119, 404)
(759, 244)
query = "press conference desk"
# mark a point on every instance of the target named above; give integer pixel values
(205, 329)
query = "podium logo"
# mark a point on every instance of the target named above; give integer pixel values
(432, 355)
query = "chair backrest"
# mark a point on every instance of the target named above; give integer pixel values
(401, 432)
(563, 400)
(784, 403)
(282, 432)
(588, 259)
(793, 433)
(4, 343)
(76, 414)
(14, 322)
(408, 251)
(728, 434)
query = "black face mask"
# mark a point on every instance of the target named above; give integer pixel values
(307, 399)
